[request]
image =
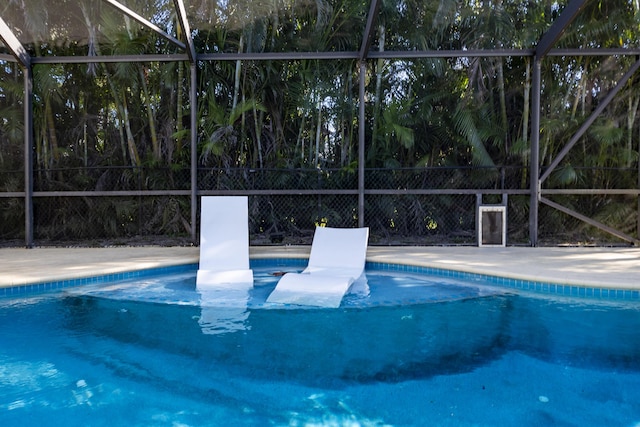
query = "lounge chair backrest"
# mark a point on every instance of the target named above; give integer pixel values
(224, 233)
(339, 248)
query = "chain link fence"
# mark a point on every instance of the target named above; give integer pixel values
(422, 206)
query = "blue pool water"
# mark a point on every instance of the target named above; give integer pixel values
(417, 350)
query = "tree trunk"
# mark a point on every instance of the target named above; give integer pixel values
(503, 105)
(236, 83)
(150, 116)
(378, 94)
(258, 130)
(525, 117)
(631, 118)
(131, 144)
(179, 108)
(316, 161)
(300, 139)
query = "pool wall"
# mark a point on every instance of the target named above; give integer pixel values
(568, 290)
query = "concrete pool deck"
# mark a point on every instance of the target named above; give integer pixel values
(617, 268)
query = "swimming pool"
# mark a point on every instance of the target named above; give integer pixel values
(418, 350)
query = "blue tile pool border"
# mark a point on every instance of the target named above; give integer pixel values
(506, 282)
(547, 288)
(42, 287)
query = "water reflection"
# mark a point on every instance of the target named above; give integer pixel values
(224, 309)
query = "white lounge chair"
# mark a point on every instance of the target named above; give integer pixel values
(336, 261)
(224, 243)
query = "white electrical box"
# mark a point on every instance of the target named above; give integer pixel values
(492, 225)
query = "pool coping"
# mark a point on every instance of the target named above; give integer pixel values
(587, 272)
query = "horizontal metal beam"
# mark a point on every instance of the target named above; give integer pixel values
(418, 191)
(402, 54)
(442, 191)
(594, 191)
(388, 54)
(479, 53)
(291, 192)
(284, 56)
(273, 192)
(155, 193)
(124, 193)
(276, 56)
(632, 51)
(8, 58)
(108, 59)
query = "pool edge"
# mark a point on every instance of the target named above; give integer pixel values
(300, 254)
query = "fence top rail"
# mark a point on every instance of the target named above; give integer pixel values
(301, 192)
(318, 170)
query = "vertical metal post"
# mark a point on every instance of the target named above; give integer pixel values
(478, 204)
(361, 141)
(535, 152)
(28, 156)
(193, 99)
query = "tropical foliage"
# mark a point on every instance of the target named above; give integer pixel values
(434, 122)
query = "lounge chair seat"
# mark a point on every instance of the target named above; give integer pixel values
(336, 261)
(229, 278)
